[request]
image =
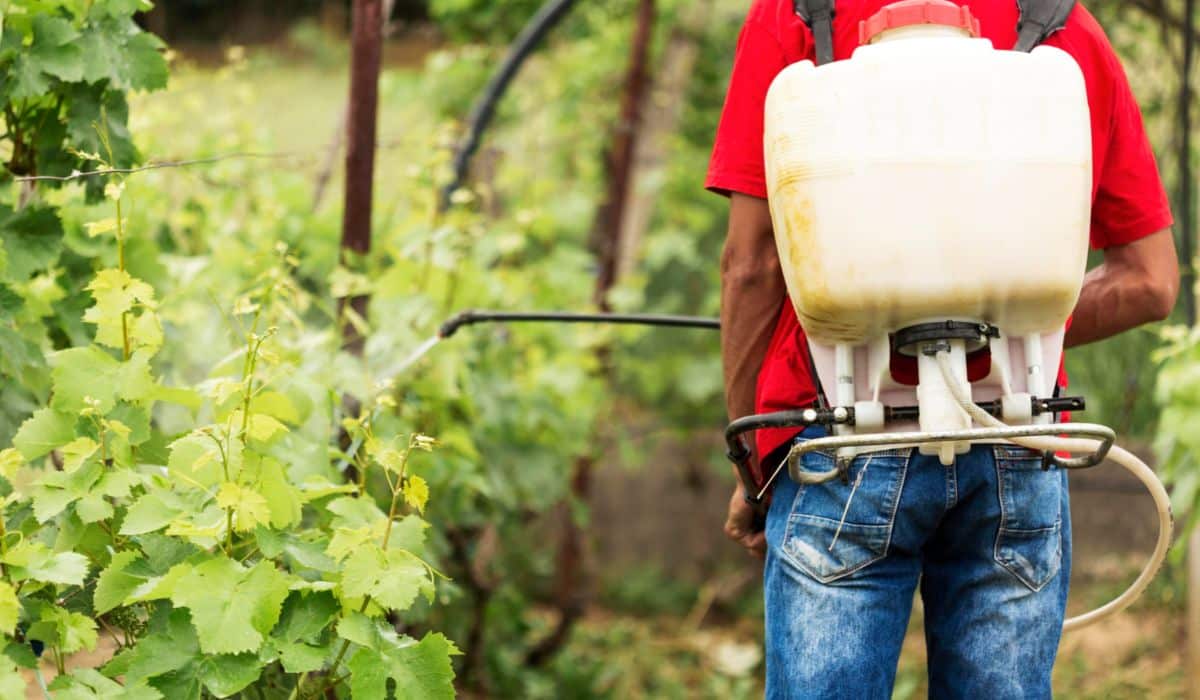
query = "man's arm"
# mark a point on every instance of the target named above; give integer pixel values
(752, 292)
(1136, 284)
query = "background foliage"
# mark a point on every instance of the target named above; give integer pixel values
(180, 408)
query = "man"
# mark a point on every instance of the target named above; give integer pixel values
(836, 619)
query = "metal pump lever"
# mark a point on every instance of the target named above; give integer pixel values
(1102, 434)
(740, 454)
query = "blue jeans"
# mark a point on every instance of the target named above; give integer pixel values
(988, 540)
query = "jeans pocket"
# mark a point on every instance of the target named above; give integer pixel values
(841, 526)
(1029, 539)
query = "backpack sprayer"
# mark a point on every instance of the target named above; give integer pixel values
(891, 179)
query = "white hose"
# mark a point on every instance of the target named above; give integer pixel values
(1117, 454)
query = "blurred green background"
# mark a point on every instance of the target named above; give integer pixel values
(666, 607)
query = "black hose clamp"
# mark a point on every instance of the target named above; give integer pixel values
(906, 341)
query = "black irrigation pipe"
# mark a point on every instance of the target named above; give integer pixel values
(467, 318)
(471, 317)
(546, 18)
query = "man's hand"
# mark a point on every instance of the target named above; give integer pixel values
(1137, 284)
(739, 525)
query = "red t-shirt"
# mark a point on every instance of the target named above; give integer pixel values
(1128, 199)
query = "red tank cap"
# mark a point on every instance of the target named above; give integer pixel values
(911, 12)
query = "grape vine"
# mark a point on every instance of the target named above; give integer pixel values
(211, 556)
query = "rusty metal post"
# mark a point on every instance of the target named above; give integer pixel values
(362, 114)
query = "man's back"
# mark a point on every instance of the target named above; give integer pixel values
(1129, 201)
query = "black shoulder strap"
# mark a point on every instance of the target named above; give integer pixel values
(1039, 19)
(818, 15)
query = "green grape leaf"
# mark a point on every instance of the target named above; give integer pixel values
(147, 67)
(136, 418)
(101, 56)
(57, 490)
(45, 430)
(92, 508)
(171, 659)
(78, 451)
(27, 79)
(12, 683)
(50, 499)
(10, 461)
(115, 583)
(187, 398)
(346, 540)
(225, 674)
(203, 527)
(69, 631)
(262, 428)
(10, 608)
(21, 654)
(10, 301)
(89, 106)
(272, 483)
(249, 507)
(409, 533)
(54, 50)
(90, 378)
(41, 293)
(20, 357)
(29, 560)
(368, 674)
(389, 458)
(117, 294)
(153, 511)
(123, 9)
(361, 630)
(89, 684)
(240, 618)
(198, 458)
(416, 492)
(303, 658)
(305, 616)
(162, 552)
(422, 671)
(84, 378)
(49, 502)
(317, 487)
(145, 331)
(32, 238)
(355, 512)
(169, 647)
(307, 554)
(117, 483)
(276, 405)
(393, 580)
(159, 587)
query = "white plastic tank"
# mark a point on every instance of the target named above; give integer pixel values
(930, 176)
